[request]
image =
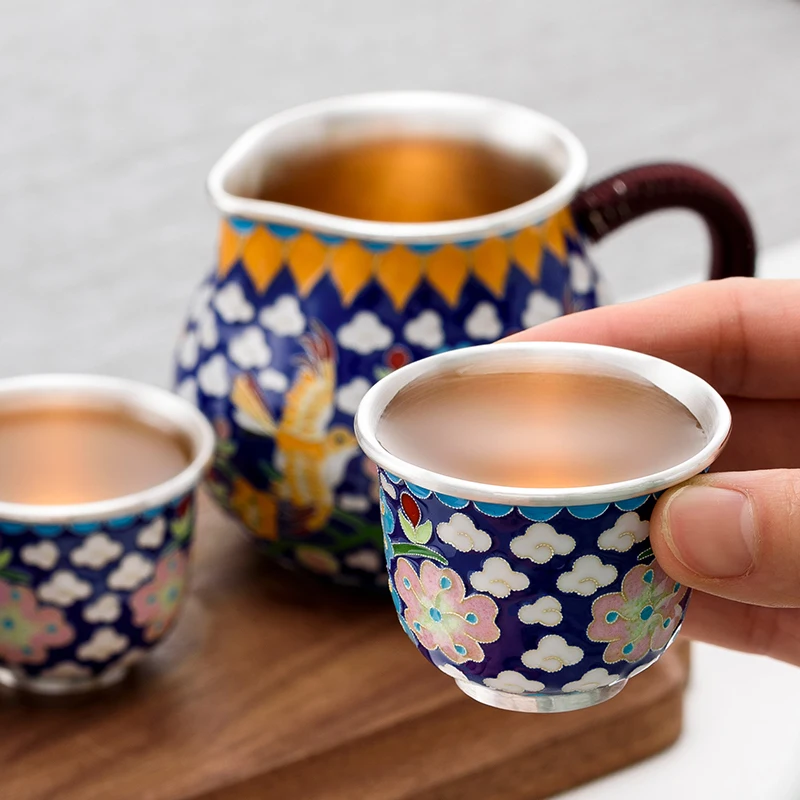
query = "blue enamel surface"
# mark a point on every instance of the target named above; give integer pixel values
(576, 531)
(377, 247)
(351, 535)
(283, 231)
(87, 527)
(329, 238)
(588, 512)
(65, 571)
(493, 509)
(539, 514)
(449, 500)
(633, 504)
(242, 225)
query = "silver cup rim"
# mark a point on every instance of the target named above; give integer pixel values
(499, 119)
(689, 389)
(147, 402)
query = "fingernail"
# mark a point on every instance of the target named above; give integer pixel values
(711, 530)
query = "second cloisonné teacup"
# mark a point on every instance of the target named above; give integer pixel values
(98, 479)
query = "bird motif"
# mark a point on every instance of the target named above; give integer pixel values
(311, 454)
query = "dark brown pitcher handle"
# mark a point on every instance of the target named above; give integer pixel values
(607, 205)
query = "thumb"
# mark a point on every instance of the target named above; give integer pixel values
(735, 535)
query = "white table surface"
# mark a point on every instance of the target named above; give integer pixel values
(741, 738)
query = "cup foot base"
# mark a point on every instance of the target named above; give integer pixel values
(540, 703)
(13, 679)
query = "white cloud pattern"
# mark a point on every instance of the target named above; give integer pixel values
(104, 644)
(274, 380)
(232, 305)
(483, 323)
(349, 395)
(627, 531)
(366, 560)
(284, 317)
(63, 589)
(540, 308)
(498, 578)
(128, 660)
(207, 329)
(513, 683)
(541, 542)
(460, 532)
(354, 502)
(151, 536)
(581, 275)
(96, 552)
(43, 555)
(588, 574)
(133, 570)
(425, 330)
(188, 350)
(593, 679)
(67, 670)
(545, 611)
(249, 349)
(188, 390)
(213, 376)
(199, 303)
(365, 334)
(552, 654)
(388, 487)
(105, 609)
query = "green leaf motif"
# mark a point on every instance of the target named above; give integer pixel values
(15, 575)
(5, 558)
(408, 528)
(226, 449)
(422, 533)
(182, 527)
(419, 550)
(645, 555)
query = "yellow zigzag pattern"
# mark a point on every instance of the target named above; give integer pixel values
(398, 269)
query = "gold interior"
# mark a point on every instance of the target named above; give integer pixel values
(72, 454)
(405, 180)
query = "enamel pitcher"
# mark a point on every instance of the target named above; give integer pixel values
(362, 233)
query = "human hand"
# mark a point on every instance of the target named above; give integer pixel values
(732, 535)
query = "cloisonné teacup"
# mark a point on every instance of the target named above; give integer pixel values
(534, 599)
(86, 590)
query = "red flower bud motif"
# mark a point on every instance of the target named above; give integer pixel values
(410, 508)
(397, 356)
(183, 506)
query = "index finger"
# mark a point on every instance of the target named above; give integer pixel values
(742, 335)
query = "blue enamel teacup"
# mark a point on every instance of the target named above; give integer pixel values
(534, 599)
(88, 589)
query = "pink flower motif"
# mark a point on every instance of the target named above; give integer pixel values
(439, 614)
(640, 618)
(155, 605)
(27, 630)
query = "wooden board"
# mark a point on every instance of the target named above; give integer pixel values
(273, 686)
